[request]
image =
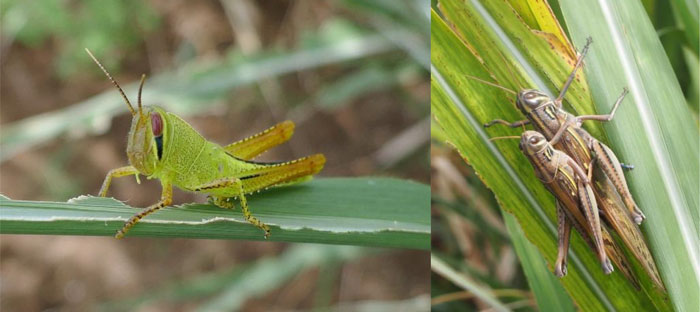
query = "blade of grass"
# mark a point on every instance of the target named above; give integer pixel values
(298, 257)
(655, 129)
(548, 291)
(459, 279)
(686, 12)
(381, 212)
(268, 274)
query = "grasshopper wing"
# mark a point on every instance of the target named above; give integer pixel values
(618, 218)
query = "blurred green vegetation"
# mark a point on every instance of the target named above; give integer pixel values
(107, 27)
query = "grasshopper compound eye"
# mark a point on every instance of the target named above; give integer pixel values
(156, 124)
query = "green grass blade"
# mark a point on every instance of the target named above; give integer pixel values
(654, 128)
(686, 12)
(459, 279)
(548, 291)
(381, 212)
(250, 279)
(268, 274)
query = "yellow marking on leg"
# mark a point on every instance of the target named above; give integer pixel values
(116, 173)
(256, 144)
(237, 185)
(165, 199)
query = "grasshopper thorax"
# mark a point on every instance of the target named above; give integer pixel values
(530, 100)
(145, 142)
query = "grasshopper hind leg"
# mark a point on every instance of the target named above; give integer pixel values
(611, 166)
(564, 233)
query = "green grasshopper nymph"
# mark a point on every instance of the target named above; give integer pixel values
(564, 131)
(576, 204)
(163, 146)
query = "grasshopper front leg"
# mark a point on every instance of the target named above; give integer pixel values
(235, 186)
(166, 198)
(609, 116)
(568, 82)
(576, 121)
(564, 232)
(115, 173)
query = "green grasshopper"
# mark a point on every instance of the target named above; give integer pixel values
(163, 146)
(565, 134)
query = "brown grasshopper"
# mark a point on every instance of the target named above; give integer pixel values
(564, 132)
(576, 204)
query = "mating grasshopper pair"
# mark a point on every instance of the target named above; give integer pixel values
(163, 146)
(584, 175)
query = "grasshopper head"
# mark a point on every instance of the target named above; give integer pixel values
(145, 145)
(532, 142)
(529, 100)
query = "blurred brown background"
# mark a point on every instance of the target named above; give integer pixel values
(368, 113)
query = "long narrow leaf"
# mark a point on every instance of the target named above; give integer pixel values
(653, 129)
(352, 211)
(548, 291)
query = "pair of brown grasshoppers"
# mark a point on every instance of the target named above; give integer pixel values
(585, 177)
(163, 146)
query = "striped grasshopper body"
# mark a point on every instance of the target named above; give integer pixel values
(163, 146)
(576, 204)
(564, 132)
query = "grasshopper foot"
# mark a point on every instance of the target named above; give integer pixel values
(626, 166)
(119, 235)
(607, 266)
(560, 269)
(638, 216)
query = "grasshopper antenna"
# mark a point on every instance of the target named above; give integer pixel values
(143, 79)
(505, 137)
(131, 108)
(510, 70)
(492, 84)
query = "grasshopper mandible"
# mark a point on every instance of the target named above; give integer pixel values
(564, 131)
(163, 146)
